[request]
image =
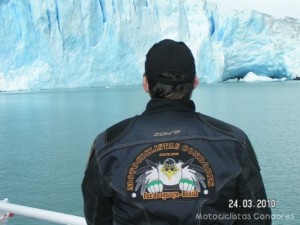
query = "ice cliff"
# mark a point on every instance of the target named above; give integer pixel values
(46, 44)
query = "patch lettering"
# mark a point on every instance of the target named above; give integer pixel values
(170, 170)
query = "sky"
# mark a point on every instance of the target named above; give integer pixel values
(277, 8)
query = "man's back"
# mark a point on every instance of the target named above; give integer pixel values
(172, 165)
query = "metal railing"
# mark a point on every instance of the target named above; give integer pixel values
(41, 214)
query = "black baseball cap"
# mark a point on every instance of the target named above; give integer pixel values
(170, 56)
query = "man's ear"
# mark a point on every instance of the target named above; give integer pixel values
(145, 84)
(196, 82)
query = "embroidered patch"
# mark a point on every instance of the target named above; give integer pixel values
(170, 170)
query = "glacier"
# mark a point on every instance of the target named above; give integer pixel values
(49, 44)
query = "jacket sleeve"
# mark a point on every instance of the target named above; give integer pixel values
(96, 194)
(252, 191)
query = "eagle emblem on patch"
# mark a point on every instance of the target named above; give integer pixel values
(170, 171)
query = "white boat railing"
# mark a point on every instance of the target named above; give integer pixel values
(7, 210)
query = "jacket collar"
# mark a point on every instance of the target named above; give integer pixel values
(156, 105)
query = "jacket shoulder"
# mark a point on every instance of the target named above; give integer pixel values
(113, 133)
(117, 131)
(223, 127)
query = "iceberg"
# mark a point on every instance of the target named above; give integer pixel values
(252, 77)
(96, 43)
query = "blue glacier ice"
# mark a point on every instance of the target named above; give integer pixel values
(46, 44)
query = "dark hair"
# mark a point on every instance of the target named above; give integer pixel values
(173, 92)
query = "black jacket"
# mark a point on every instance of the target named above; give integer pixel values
(171, 166)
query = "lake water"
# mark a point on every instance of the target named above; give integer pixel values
(45, 138)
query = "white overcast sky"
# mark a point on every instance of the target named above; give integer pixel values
(277, 8)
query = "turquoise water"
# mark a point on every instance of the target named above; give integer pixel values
(45, 138)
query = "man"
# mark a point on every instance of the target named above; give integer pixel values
(172, 165)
